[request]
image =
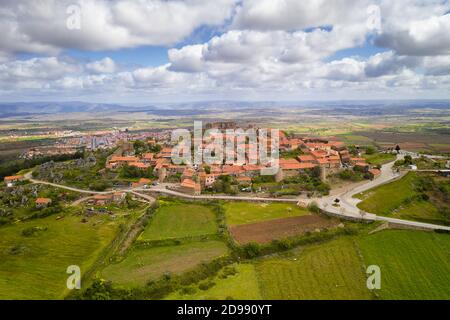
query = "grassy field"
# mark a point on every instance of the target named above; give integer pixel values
(385, 199)
(179, 221)
(142, 265)
(393, 200)
(34, 267)
(414, 265)
(241, 286)
(380, 158)
(329, 271)
(245, 212)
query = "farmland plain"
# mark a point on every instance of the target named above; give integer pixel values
(144, 264)
(179, 220)
(414, 265)
(34, 267)
(238, 213)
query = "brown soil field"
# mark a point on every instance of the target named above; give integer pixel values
(267, 231)
(400, 137)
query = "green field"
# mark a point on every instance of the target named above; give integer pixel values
(400, 199)
(241, 286)
(34, 267)
(142, 265)
(180, 220)
(414, 265)
(380, 158)
(246, 212)
(328, 271)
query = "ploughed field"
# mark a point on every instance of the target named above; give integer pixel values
(263, 223)
(267, 231)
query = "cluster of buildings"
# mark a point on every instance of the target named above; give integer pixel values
(106, 199)
(70, 142)
(326, 154)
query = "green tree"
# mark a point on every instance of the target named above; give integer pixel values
(140, 147)
(408, 160)
(370, 150)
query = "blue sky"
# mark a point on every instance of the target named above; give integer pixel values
(154, 50)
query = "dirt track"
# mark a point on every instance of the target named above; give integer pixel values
(265, 232)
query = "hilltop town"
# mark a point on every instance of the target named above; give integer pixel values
(305, 165)
(300, 156)
(134, 193)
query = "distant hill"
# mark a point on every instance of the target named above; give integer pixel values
(28, 108)
(361, 108)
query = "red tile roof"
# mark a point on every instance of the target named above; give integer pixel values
(361, 164)
(123, 159)
(149, 156)
(232, 169)
(13, 178)
(139, 165)
(43, 201)
(306, 158)
(292, 164)
(190, 184)
(251, 167)
(144, 181)
(102, 197)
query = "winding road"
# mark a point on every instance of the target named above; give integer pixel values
(347, 207)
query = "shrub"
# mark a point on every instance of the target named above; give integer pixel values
(314, 207)
(281, 245)
(228, 271)
(251, 250)
(370, 150)
(100, 185)
(206, 285)
(188, 290)
(28, 232)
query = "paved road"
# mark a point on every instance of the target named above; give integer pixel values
(347, 208)
(143, 196)
(68, 188)
(348, 204)
(206, 197)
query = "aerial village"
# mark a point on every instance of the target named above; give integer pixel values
(301, 157)
(325, 155)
